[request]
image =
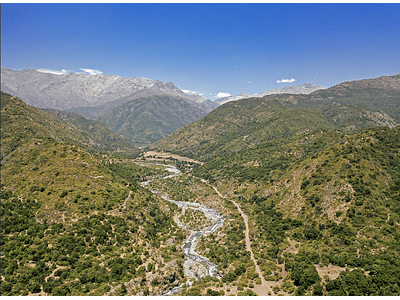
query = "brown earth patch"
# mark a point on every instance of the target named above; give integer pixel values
(292, 247)
(330, 270)
(165, 155)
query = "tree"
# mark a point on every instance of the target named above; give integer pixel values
(122, 290)
(310, 277)
(47, 288)
(318, 290)
(35, 288)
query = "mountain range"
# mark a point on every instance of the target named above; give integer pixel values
(102, 97)
(305, 89)
(236, 125)
(89, 95)
(141, 110)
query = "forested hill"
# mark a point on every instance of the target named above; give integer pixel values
(318, 177)
(148, 119)
(23, 120)
(244, 123)
(319, 203)
(97, 134)
(380, 94)
(75, 222)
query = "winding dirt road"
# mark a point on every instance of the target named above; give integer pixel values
(264, 288)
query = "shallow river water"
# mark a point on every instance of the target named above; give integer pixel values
(195, 265)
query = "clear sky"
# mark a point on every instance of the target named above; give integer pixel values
(207, 48)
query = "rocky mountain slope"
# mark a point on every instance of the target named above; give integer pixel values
(95, 96)
(305, 89)
(86, 94)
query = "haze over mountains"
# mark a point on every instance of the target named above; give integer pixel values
(92, 94)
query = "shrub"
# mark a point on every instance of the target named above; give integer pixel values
(35, 288)
(34, 188)
(47, 288)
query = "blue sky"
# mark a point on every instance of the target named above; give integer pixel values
(207, 48)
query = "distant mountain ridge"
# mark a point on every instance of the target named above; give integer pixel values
(237, 125)
(103, 97)
(89, 95)
(305, 89)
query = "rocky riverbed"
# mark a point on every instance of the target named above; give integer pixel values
(195, 265)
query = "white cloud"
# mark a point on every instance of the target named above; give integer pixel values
(91, 71)
(62, 72)
(222, 95)
(286, 80)
(189, 92)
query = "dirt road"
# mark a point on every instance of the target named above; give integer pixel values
(264, 288)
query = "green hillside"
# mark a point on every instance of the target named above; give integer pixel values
(145, 120)
(244, 123)
(380, 93)
(97, 135)
(22, 120)
(317, 176)
(334, 195)
(75, 222)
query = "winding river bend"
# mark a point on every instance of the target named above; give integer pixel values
(195, 265)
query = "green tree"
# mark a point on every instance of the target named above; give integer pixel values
(35, 288)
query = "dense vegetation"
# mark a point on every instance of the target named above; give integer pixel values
(335, 195)
(318, 179)
(88, 256)
(73, 224)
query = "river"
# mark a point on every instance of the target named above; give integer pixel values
(195, 265)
